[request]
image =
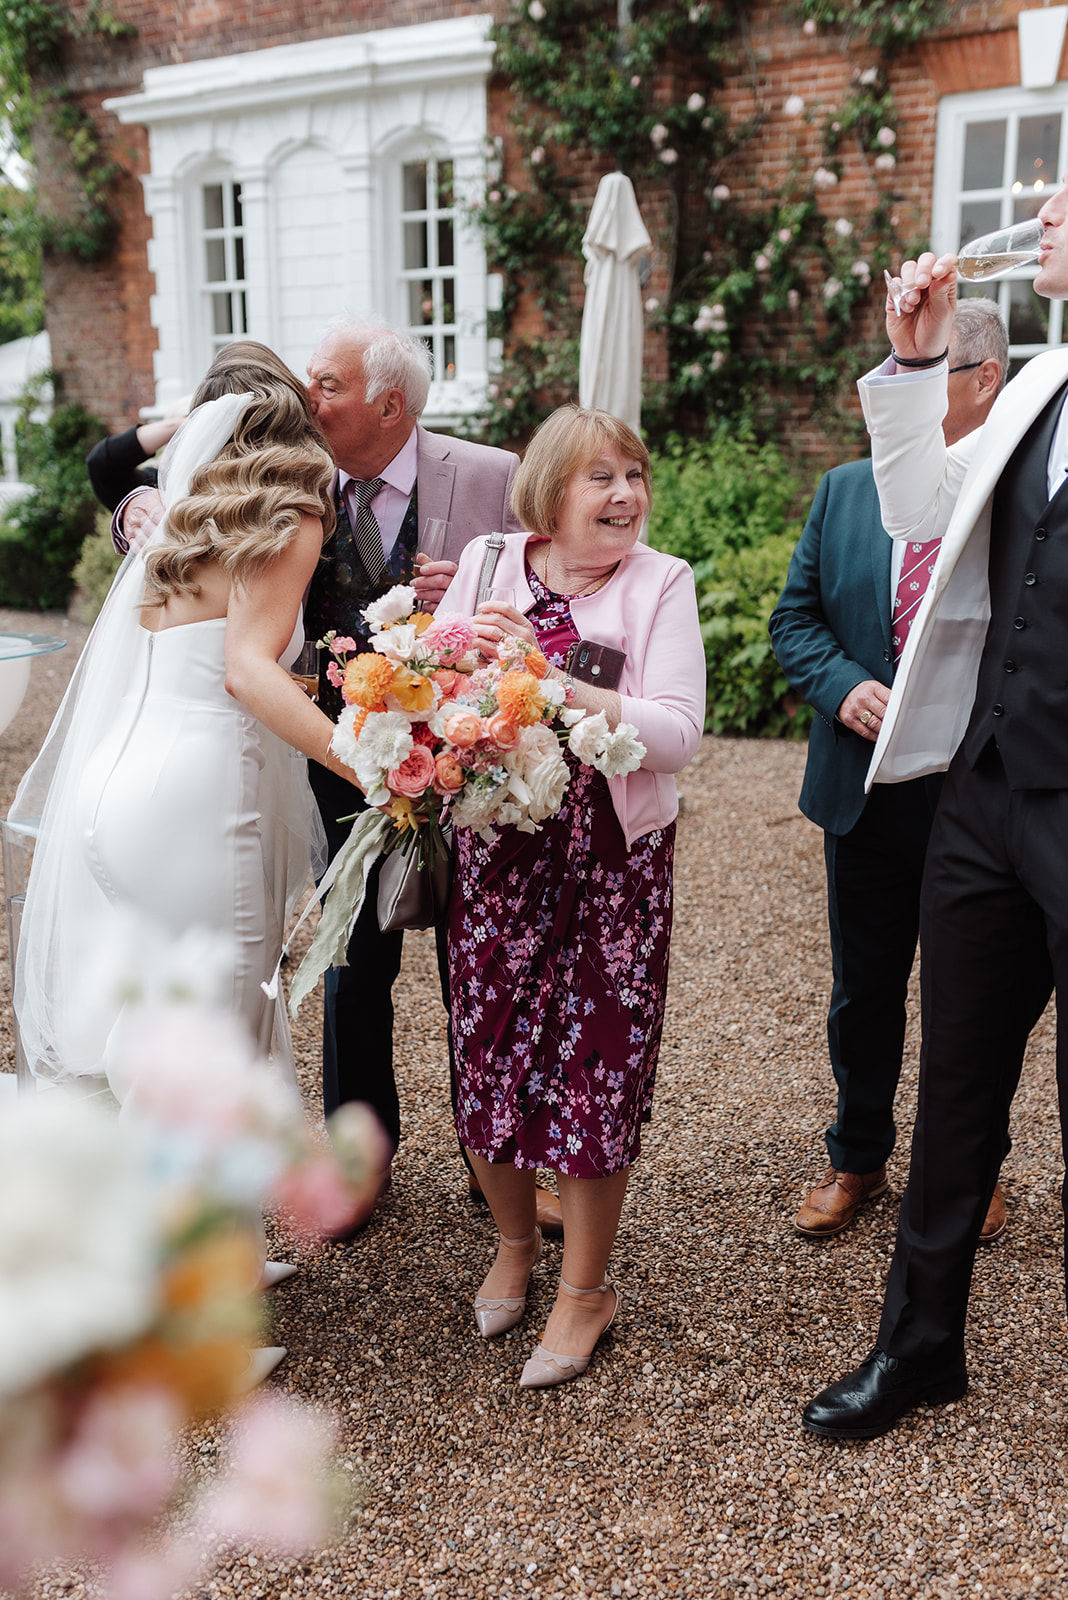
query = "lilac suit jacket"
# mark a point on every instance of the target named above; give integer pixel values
(468, 485)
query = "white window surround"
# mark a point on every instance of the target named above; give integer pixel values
(1013, 105)
(354, 108)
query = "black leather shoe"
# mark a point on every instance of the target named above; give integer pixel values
(868, 1402)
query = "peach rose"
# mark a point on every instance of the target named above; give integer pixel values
(448, 774)
(464, 728)
(448, 681)
(502, 731)
(414, 773)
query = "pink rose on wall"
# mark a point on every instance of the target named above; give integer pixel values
(413, 774)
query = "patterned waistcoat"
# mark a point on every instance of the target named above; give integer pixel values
(341, 588)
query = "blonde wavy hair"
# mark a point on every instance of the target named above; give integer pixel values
(244, 507)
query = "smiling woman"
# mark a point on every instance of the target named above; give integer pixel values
(558, 941)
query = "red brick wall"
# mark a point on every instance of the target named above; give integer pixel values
(98, 316)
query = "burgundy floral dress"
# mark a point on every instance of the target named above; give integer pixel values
(558, 961)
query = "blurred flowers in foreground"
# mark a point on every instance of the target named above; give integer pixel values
(130, 1266)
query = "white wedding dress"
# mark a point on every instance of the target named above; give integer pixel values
(175, 833)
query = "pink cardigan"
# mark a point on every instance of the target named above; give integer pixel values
(649, 609)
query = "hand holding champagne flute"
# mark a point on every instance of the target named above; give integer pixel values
(433, 573)
(305, 669)
(920, 305)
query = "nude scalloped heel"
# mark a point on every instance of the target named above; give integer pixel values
(497, 1316)
(545, 1368)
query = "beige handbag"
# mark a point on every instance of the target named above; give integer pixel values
(411, 896)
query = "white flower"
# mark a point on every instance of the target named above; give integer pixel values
(843, 227)
(78, 1246)
(718, 358)
(710, 319)
(694, 370)
(762, 263)
(652, 304)
(793, 105)
(635, 82)
(587, 737)
(869, 76)
(669, 157)
(721, 192)
(658, 134)
(886, 137)
(537, 155)
(397, 643)
(612, 752)
(831, 288)
(793, 299)
(398, 603)
(861, 270)
(538, 764)
(785, 235)
(696, 14)
(570, 716)
(885, 162)
(343, 743)
(824, 178)
(696, 102)
(809, 27)
(536, 11)
(387, 738)
(477, 809)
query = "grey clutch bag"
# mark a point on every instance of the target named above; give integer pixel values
(411, 896)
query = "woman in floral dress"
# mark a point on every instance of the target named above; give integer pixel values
(558, 941)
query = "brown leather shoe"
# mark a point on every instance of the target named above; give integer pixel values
(996, 1218)
(549, 1217)
(836, 1199)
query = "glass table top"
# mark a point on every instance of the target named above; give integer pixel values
(14, 645)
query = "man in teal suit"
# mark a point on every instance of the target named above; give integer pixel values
(837, 637)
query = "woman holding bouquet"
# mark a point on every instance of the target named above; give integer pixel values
(171, 804)
(558, 940)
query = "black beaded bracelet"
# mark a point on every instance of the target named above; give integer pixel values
(912, 361)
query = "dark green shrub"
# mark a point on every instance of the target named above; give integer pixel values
(726, 506)
(42, 534)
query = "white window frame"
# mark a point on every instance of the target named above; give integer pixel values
(370, 100)
(955, 113)
(232, 283)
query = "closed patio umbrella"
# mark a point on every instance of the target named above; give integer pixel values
(610, 354)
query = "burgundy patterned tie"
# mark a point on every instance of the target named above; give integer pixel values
(917, 564)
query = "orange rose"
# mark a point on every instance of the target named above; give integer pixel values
(449, 682)
(413, 691)
(448, 774)
(367, 679)
(464, 728)
(502, 731)
(520, 699)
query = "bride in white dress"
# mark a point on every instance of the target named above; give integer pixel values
(173, 798)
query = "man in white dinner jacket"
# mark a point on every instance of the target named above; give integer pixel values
(983, 690)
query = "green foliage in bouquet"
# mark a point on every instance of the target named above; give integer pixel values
(42, 534)
(727, 507)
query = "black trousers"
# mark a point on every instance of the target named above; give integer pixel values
(994, 943)
(874, 874)
(358, 999)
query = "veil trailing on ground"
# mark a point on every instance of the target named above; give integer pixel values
(75, 942)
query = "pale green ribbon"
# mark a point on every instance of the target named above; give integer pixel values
(345, 885)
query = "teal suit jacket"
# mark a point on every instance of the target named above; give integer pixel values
(831, 631)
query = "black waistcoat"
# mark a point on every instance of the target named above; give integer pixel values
(1021, 698)
(340, 588)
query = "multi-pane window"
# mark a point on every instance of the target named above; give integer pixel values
(428, 231)
(1004, 161)
(223, 245)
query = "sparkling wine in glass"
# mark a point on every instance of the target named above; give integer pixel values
(503, 596)
(306, 669)
(992, 255)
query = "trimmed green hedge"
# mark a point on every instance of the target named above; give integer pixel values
(727, 507)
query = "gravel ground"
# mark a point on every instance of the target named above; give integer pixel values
(677, 1466)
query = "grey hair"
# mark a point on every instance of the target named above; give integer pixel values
(979, 334)
(391, 360)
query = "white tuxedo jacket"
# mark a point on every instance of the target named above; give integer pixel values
(927, 491)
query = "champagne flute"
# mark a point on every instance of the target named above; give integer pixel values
(434, 538)
(503, 596)
(992, 255)
(305, 669)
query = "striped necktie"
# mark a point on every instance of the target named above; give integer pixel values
(365, 530)
(917, 564)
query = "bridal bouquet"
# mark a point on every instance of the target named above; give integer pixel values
(436, 735)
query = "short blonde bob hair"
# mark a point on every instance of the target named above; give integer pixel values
(569, 439)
